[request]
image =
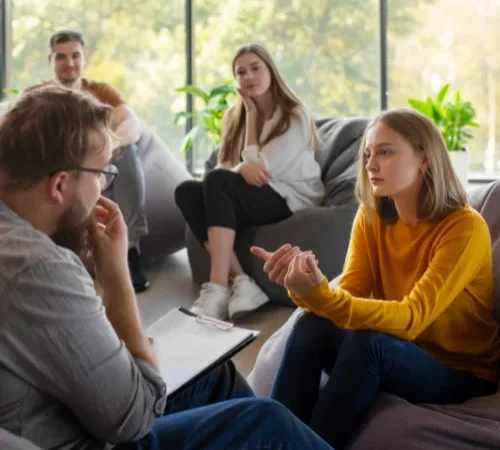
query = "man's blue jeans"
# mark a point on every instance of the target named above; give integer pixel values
(129, 191)
(359, 364)
(234, 419)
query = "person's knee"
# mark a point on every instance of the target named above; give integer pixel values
(307, 331)
(266, 408)
(271, 411)
(186, 193)
(219, 179)
(125, 153)
(370, 341)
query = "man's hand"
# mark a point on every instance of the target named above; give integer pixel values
(303, 274)
(254, 174)
(277, 263)
(109, 242)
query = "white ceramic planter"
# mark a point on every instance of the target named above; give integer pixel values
(460, 163)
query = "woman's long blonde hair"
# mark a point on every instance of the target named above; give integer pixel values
(441, 194)
(233, 131)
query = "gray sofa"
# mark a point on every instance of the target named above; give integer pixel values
(324, 229)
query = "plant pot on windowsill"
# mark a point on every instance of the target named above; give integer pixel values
(460, 163)
(454, 118)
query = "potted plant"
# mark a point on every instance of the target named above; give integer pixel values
(208, 120)
(453, 118)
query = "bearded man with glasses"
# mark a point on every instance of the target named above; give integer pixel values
(77, 371)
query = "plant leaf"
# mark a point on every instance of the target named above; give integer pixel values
(195, 91)
(453, 117)
(189, 139)
(220, 90)
(181, 117)
(419, 105)
(442, 94)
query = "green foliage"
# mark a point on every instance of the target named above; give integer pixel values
(208, 119)
(326, 51)
(453, 117)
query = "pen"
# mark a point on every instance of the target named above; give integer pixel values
(221, 324)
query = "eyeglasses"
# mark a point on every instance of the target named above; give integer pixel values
(106, 175)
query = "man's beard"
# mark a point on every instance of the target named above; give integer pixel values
(68, 82)
(72, 230)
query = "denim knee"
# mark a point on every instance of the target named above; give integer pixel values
(268, 410)
(369, 342)
(310, 331)
(304, 325)
(120, 152)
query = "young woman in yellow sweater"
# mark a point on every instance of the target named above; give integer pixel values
(412, 314)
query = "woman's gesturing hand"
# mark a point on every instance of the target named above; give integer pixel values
(277, 263)
(303, 274)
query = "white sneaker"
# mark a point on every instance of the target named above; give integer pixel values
(212, 301)
(246, 297)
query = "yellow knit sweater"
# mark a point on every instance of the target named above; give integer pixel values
(431, 284)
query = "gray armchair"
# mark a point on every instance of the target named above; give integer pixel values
(163, 173)
(324, 229)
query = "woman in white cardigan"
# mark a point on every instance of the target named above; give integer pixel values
(266, 172)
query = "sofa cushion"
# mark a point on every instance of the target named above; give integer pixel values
(394, 424)
(486, 200)
(338, 157)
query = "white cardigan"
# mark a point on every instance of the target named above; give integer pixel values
(289, 158)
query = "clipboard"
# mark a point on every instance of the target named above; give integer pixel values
(189, 346)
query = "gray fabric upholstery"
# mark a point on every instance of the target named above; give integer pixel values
(341, 139)
(325, 229)
(163, 173)
(8, 441)
(395, 424)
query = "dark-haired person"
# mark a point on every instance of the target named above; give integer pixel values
(68, 60)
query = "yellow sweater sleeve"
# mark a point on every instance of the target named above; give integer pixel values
(454, 264)
(357, 275)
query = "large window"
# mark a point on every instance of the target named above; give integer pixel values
(137, 46)
(451, 41)
(327, 51)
